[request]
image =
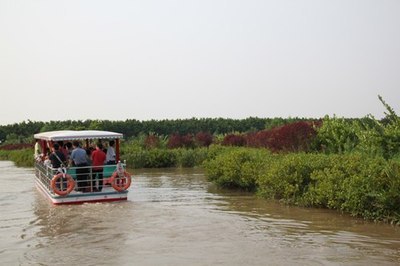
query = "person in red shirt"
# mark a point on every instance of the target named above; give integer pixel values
(98, 160)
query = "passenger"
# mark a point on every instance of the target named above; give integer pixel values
(110, 156)
(57, 158)
(104, 148)
(78, 159)
(46, 160)
(89, 155)
(98, 160)
(38, 151)
(68, 148)
(63, 149)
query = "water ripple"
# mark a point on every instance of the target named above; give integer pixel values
(176, 217)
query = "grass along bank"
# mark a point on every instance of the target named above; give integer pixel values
(363, 186)
(21, 158)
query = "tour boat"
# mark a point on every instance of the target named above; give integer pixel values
(61, 185)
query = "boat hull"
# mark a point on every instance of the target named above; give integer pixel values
(107, 195)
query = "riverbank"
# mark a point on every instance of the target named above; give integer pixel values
(21, 157)
(367, 187)
(364, 186)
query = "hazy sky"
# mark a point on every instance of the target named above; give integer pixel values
(118, 60)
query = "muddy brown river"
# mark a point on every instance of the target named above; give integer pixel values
(176, 217)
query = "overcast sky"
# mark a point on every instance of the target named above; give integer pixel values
(166, 59)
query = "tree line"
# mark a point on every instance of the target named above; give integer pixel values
(23, 132)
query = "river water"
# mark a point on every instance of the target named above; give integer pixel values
(176, 217)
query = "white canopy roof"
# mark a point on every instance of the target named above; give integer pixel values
(77, 135)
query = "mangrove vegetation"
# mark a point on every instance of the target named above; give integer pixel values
(349, 165)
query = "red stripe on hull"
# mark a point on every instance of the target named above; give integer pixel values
(88, 201)
(52, 200)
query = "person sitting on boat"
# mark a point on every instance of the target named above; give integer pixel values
(110, 156)
(98, 160)
(78, 159)
(38, 151)
(46, 161)
(57, 158)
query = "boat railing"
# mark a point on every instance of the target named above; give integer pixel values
(86, 178)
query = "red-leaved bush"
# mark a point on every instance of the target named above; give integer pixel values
(291, 137)
(174, 141)
(178, 141)
(296, 136)
(204, 139)
(10, 147)
(151, 141)
(234, 140)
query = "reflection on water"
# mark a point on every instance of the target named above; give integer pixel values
(330, 236)
(175, 217)
(77, 233)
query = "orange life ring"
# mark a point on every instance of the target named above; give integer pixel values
(121, 183)
(70, 184)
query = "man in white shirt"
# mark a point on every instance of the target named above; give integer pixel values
(110, 155)
(38, 151)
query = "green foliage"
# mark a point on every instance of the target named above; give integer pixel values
(2, 135)
(278, 121)
(366, 135)
(133, 128)
(236, 167)
(13, 138)
(391, 115)
(361, 185)
(337, 135)
(330, 185)
(22, 158)
(160, 158)
(191, 157)
(4, 155)
(357, 172)
(373, 192)
(288, 177)
(370, 134)
(137, 156)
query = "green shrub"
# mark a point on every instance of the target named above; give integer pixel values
(237, 167)
(4, 155)
(160, 158)
(22, 158)
(288, 177)
(191, 157)
(138, 157)
(363, 186)
(135, 157)
(374, 192)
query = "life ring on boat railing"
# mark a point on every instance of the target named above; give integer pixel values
(56, 179)
(121, 182)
